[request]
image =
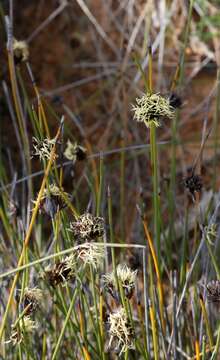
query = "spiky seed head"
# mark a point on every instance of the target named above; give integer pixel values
(74, 152)
(91, 254)
(213, 291)
(126, 277)
(20, 50)
(31, 299)
(61, 272)
(87, 227)
(25, 325)
(43, 148)
(120, 330)
(150, 108)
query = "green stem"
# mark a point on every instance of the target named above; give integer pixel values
(64, 326)
(156, 200)
(97, 328)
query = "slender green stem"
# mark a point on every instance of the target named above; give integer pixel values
(203, 347)
(156, 200)
(94, 295)
(64, 326)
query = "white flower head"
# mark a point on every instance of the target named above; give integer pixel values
(21, 50)
(43, 148)
(91, 254)
(126, 277)
(151, 107)
(120, 330)
(87, 227)
(74, 152)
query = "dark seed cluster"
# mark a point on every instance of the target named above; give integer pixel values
(193, 183)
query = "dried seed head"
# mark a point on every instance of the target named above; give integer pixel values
(43, 148)
(121, 331)
(87, 227)
(151, 107)
(31, 300)
(213, 291)
(53, 200)
(25, 325)
(175, 100)
(20, 50)
(61, 272)
(193, 183)
(125, 276)
(74, 152)
(91, 254)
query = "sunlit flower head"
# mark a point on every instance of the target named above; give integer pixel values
(74, 152)
(150, 108)
(91, 254)
(43, 148)
(121, 332)
(126, 277)
(20, 50)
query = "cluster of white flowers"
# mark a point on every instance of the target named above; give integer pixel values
(74, 152)
(151, 107)
(126, 277)
(120, 330)
(92, 254)
(43, 148)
